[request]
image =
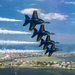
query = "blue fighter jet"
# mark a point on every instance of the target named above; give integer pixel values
(33, 21)
(40, 33)
(51, 50)
(47, 42)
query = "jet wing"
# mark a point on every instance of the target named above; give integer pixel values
(42, 29)
(32, 26)
(39, 37)
(50, 53)
(35, 15)
(53, 46)
(48, 38)
(45, 47)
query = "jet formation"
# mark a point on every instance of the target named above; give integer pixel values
(41, 32)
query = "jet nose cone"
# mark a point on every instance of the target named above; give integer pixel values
(47, 22)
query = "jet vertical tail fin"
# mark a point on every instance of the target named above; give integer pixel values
(26, 21)
(35, 32)
(41, 42)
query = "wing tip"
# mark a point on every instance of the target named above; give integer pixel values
(48, 35)
(30, 30)
(37, 40)
(44, 49)
(49, 55)
(35, 10)
(42, 24)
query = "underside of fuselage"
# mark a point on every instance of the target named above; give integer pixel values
(36, 21)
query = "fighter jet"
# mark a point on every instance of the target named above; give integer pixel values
(33, 21)
(47, 42)
(40, 33)
(51, 50)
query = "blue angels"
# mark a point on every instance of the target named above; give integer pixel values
(40, 33)
(33, 21)
(51, 50)
(47, 42)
